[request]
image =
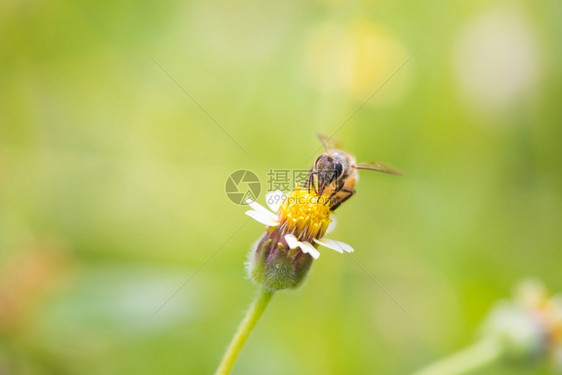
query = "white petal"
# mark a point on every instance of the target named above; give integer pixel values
(332, 225)
(262, 218)
(323, 243)
(306, 247)
(338, 246)
(274, 199)
(261, 209)
(292, 241)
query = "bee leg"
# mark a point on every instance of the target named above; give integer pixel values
(309, 179)
(349, 192)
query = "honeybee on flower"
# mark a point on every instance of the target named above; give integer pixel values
(298, 221)
(296, 224)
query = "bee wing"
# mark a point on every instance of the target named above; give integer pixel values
(379, 167)
(329, 143)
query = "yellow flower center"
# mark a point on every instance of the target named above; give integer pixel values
(304, 214)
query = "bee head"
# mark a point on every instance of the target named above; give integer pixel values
(328, 169)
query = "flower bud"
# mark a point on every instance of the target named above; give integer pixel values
(275, 266)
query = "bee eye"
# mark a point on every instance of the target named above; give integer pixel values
(319, 160)
(338, 169)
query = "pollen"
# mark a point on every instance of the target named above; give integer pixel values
(305, 214)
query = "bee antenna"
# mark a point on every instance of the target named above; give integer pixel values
(329, 143)
(324, 140)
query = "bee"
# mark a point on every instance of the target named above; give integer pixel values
(334, 173)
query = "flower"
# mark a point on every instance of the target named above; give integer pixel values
(295, 227)
(303, 217)
(529, 325)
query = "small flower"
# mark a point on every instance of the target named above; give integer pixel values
(295, 227)
(304, 218)
(530, 325)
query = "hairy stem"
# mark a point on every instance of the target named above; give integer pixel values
(244, 329)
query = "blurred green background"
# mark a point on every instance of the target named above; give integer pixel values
(112, 179)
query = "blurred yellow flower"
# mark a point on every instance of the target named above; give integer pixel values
(355, 60)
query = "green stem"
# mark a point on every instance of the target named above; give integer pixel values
(476, 356)
(244, 329)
